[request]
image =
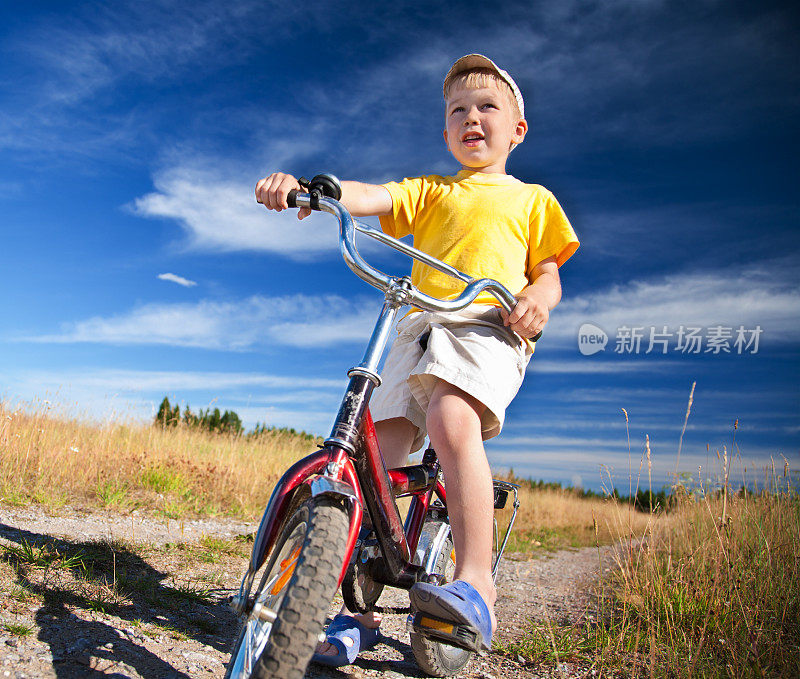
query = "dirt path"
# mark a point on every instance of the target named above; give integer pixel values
(61, 616)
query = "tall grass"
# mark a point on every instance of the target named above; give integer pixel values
(177, 470)
(714, 591)
(711, 590)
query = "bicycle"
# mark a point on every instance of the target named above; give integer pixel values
(310, 540)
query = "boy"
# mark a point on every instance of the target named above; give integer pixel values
(488, 224)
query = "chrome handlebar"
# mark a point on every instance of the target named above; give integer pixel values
(347, 246)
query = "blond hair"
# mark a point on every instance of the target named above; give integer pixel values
(476, 78)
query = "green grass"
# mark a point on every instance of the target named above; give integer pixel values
(167, 586)
(15, 498)
(18, 629)
(163, 479)
(189, 591)
(102, 599)
(21, 594)
(545, 539)
(211, 549)
(43, 556)
(169, 630)
(113, 494)
(547, 643)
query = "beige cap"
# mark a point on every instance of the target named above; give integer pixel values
(470, 61)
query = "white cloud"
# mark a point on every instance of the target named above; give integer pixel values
(584, 67)
(77, 65)
(730, 298)
(585, 366)
(221, 214)
(534, 442)
(299, 320)
(175, 381)
(180, 280)
(593, 463)
(578, 57)
(605, 75)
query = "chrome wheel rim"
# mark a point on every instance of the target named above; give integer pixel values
(257, 630)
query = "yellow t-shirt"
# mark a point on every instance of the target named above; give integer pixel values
(486, 225)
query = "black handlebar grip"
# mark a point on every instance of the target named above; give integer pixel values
(291, 199)
(536, 337)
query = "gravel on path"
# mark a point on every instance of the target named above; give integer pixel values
(75, 636)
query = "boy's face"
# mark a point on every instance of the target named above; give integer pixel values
(480, 126)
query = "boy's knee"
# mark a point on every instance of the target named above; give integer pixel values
(452, 411)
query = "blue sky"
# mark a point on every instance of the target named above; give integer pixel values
(137, 263)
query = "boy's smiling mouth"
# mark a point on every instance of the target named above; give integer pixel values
(472, 138)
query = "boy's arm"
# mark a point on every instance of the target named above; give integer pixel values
(360, 199)
(535, 302)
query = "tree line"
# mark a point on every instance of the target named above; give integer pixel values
(211, 420)
(227, 422)
(643, 500)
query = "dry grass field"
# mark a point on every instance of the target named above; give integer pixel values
(707, 587)
(551, 519)
(182, 471)
(179, 471)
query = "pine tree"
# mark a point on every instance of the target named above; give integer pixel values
(230, 423)
(214, 420)
(189, 418)
(164, 413)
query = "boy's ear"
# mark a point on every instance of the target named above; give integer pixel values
(446, 143)
(520, 131)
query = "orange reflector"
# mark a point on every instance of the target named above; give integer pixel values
(287, 569)
(436, 624)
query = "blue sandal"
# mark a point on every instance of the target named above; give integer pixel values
(347, 627)
(454, 613)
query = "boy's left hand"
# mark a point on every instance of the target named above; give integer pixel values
(530, 314)
(534, 303)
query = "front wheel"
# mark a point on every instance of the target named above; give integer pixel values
(291, 601)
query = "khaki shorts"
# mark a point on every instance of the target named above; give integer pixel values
(470, 349)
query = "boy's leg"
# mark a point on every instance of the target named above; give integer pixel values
(395, 437)
(454, 427)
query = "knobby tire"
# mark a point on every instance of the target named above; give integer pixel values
(314, 538)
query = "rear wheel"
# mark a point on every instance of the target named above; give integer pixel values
(291, 601)
(435, 657)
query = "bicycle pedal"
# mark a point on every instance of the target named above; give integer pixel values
(448, 632)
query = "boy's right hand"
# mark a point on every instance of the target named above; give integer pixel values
(272, 191)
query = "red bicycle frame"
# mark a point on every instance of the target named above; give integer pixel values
(361, 480)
